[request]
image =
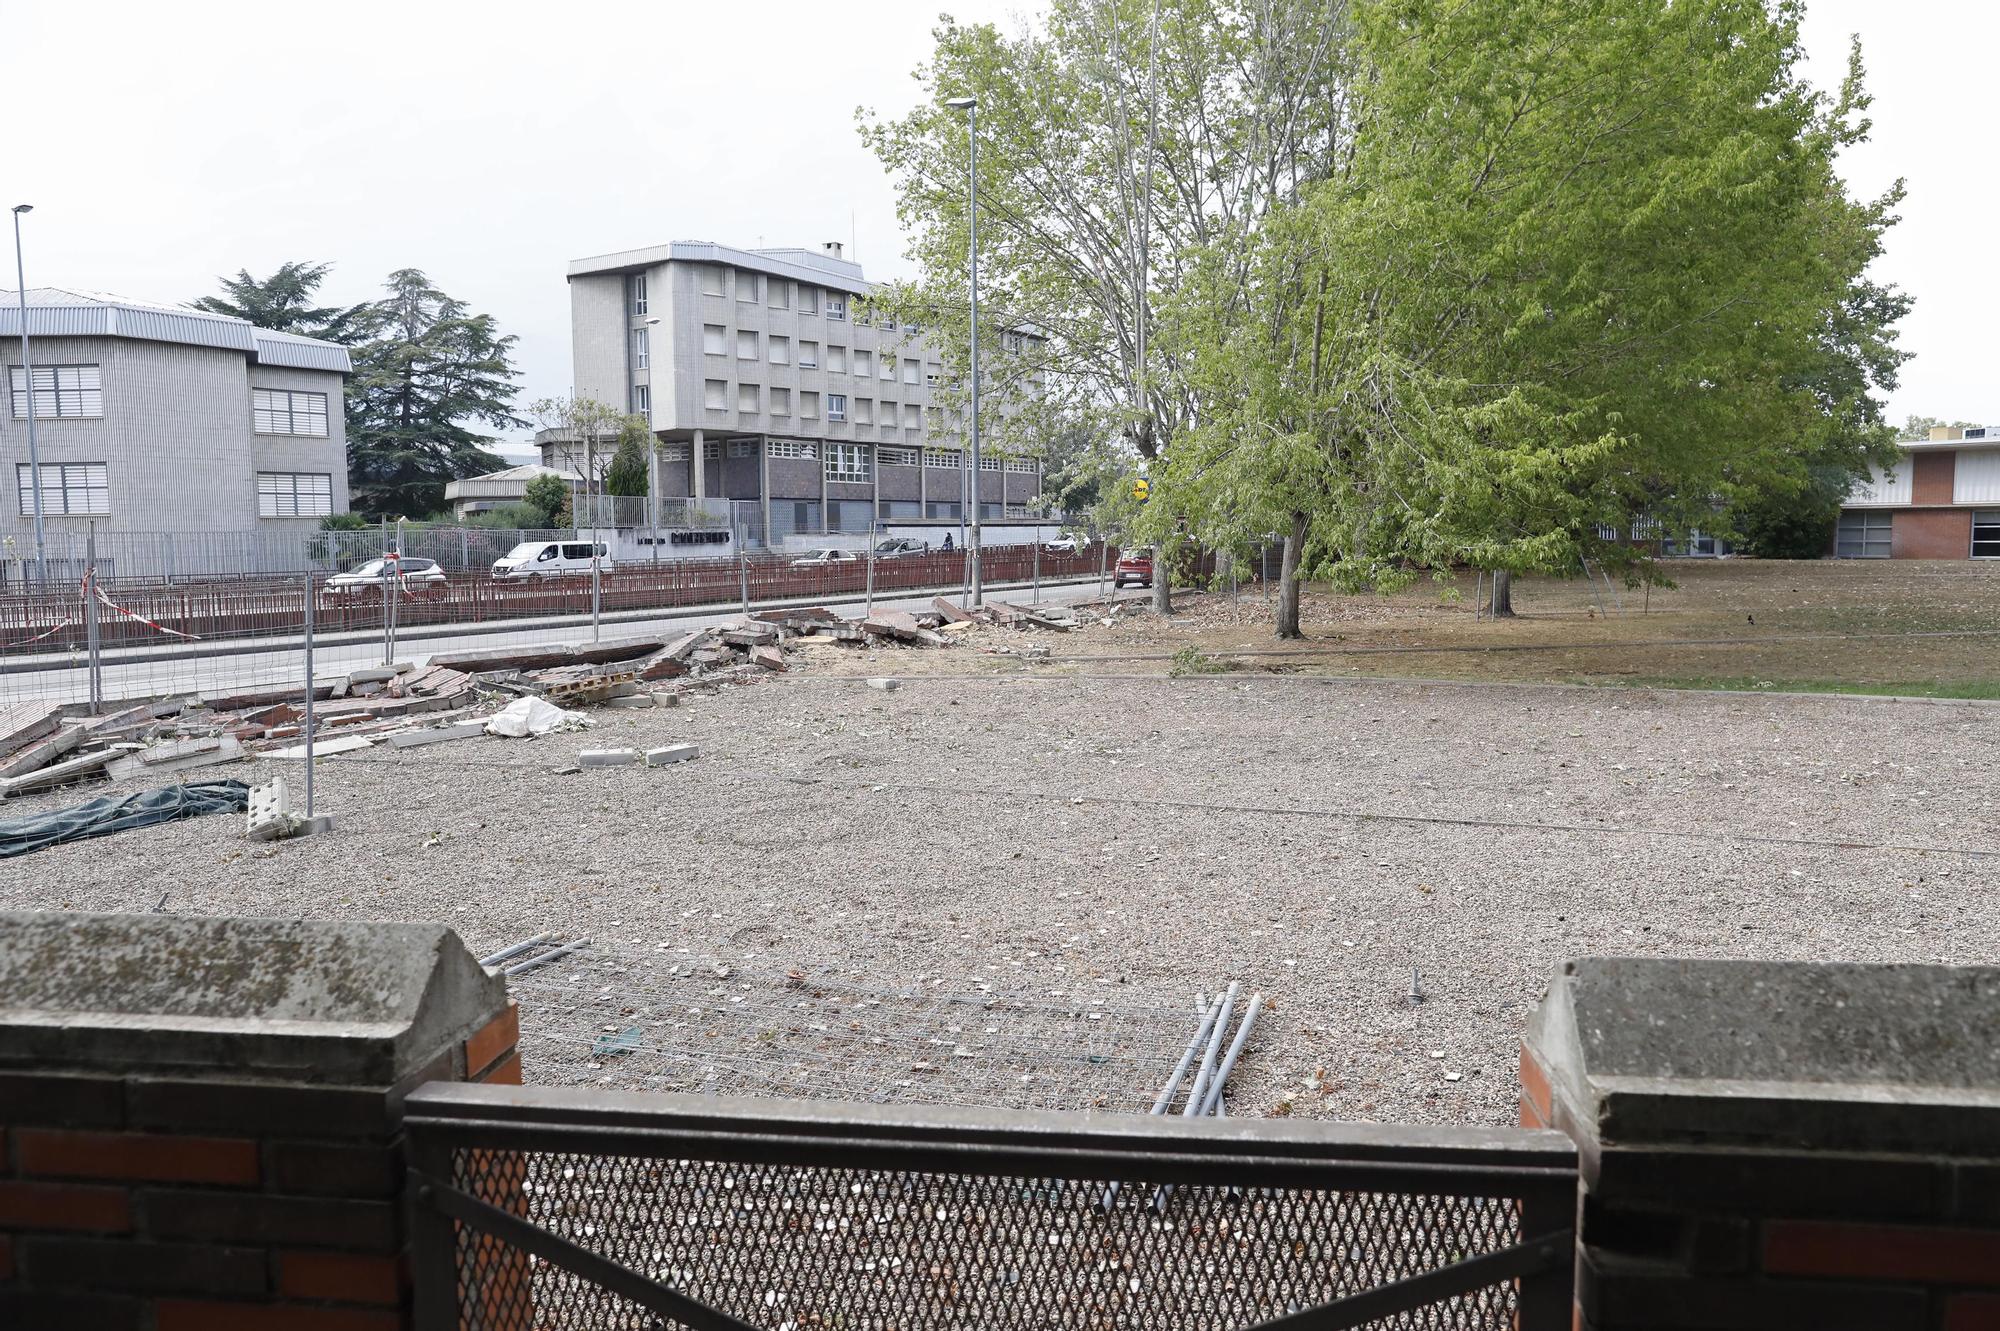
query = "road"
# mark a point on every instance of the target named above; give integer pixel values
(255, 662)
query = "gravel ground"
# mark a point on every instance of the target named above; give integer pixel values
(1142, 839)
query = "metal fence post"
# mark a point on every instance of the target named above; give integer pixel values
(1038, 565)
(464, 551)
(596, 587)
(1103, 559)
(90, 629)
(742, 560)
(868, 602)
(311, 596)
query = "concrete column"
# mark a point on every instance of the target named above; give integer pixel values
(698, 468)
(1769, 1144)
(764, 483)
(204, 1115)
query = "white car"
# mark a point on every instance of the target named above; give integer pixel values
(821, 558)
(421, 577)
(1063, 545)
(550, 559)
(897, 547)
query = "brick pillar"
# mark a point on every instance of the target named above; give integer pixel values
(1777, 1145)
(199, 1118)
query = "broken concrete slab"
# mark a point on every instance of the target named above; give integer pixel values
(374, 675)
(177, 757)
(896, 624)
(769, 658)
(43, 752)
(949, 609)
(269, 815)
(616, 649)
(411, 739)
(607, 757)
(326, 748)
(503, 658)
(630, 701)
(672, 753)
(27, 722)
(83, 767)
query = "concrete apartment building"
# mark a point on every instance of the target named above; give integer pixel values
(763, 385)
(1940, 501)
(155, 419)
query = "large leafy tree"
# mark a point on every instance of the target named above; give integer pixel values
(1581, 261)
(284, 302)
(628, 472)
(428, 371)
(1118, 140)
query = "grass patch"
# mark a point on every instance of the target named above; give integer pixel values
(1191, 660)
(1959, 688)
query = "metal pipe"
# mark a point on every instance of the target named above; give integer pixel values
(1200, 1088)
(1208, 1012)
(516, 950)
(546, 957)
(868, 603)
(1229, 1059)
(92, 634)
(311, 596)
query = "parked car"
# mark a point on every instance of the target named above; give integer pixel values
(896, 547)
(1063, 545)
(1135, 566)
(821, 558)
(420, 577)
(548, 559)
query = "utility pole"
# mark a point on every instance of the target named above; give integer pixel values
(970, 105)
(28, 387)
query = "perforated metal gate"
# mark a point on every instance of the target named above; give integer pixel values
(564, 1209)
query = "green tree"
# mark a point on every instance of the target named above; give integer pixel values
(283, 302)
(1919, 427)
(428, 371)
(628, 473)
(544, 497)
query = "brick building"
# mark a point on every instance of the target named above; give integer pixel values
(766, 384)
(150, 418)
(1940, 501)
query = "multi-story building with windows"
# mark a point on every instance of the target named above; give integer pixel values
(155, 419)
(765, 383)
(1940, 501)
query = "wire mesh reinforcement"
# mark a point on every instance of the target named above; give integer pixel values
(822, 1246)
(664, 1022)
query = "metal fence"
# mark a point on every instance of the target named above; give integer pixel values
(106, 641)
(587, 1209)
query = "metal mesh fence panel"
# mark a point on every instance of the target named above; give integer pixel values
(790, 1246)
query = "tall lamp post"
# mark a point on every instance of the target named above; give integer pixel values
(28, 385)
(970, 105)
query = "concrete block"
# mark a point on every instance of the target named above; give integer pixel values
(672, 753)
(270, 816)
(327, 747)
(607, 757)
(411, 739)
(629, 700)
(379, 675)
(886, 685)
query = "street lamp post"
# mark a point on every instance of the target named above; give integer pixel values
(970, 105)
(28, 387)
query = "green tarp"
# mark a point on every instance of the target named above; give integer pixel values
(115, 813)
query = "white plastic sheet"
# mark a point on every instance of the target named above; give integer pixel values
(525, 718)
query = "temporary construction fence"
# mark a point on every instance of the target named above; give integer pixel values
(93, 640)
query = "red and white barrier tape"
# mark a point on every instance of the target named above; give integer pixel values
(105, 598)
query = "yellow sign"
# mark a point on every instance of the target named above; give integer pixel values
(1141, 488)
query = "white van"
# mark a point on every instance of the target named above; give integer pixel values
(550, 559)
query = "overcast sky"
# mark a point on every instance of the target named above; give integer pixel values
(489, 144)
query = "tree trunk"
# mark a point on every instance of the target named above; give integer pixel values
(1288, 579)
(1503, 595)
(1163, 581)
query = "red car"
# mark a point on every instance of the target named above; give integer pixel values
(1136, 566)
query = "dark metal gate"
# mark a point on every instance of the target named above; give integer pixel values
(547, 1208)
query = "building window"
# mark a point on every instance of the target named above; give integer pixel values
(836, 305)
(808, 355)
(941, 457)
(715, 394)
(711, 280)
(809, 406)
(715, 339)
(1985, 533)
(673, 452)
(899, 457)
(836, 406)
(836, 360)
(931, 374)
(941, 510)
(746, 397)
(1021, 464)
(864, 363)
(894, 509)
(798, 450)
(638, 287)
(746, 345)
(847, 462)
(808, 301)
(642, 345)
(989, 462)
(780, 349)
(642, 400)
(888, 368)
(69, 489)
(60, 390)
(911, 369)
(743, 448)
(781, 401)
(711, 450)
(1864, 534)
(913, 416)
(276, 411)
(780, 293)
(294, 494)
(746, 285)
(864, 411)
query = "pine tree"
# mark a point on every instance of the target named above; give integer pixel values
(282, 302)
